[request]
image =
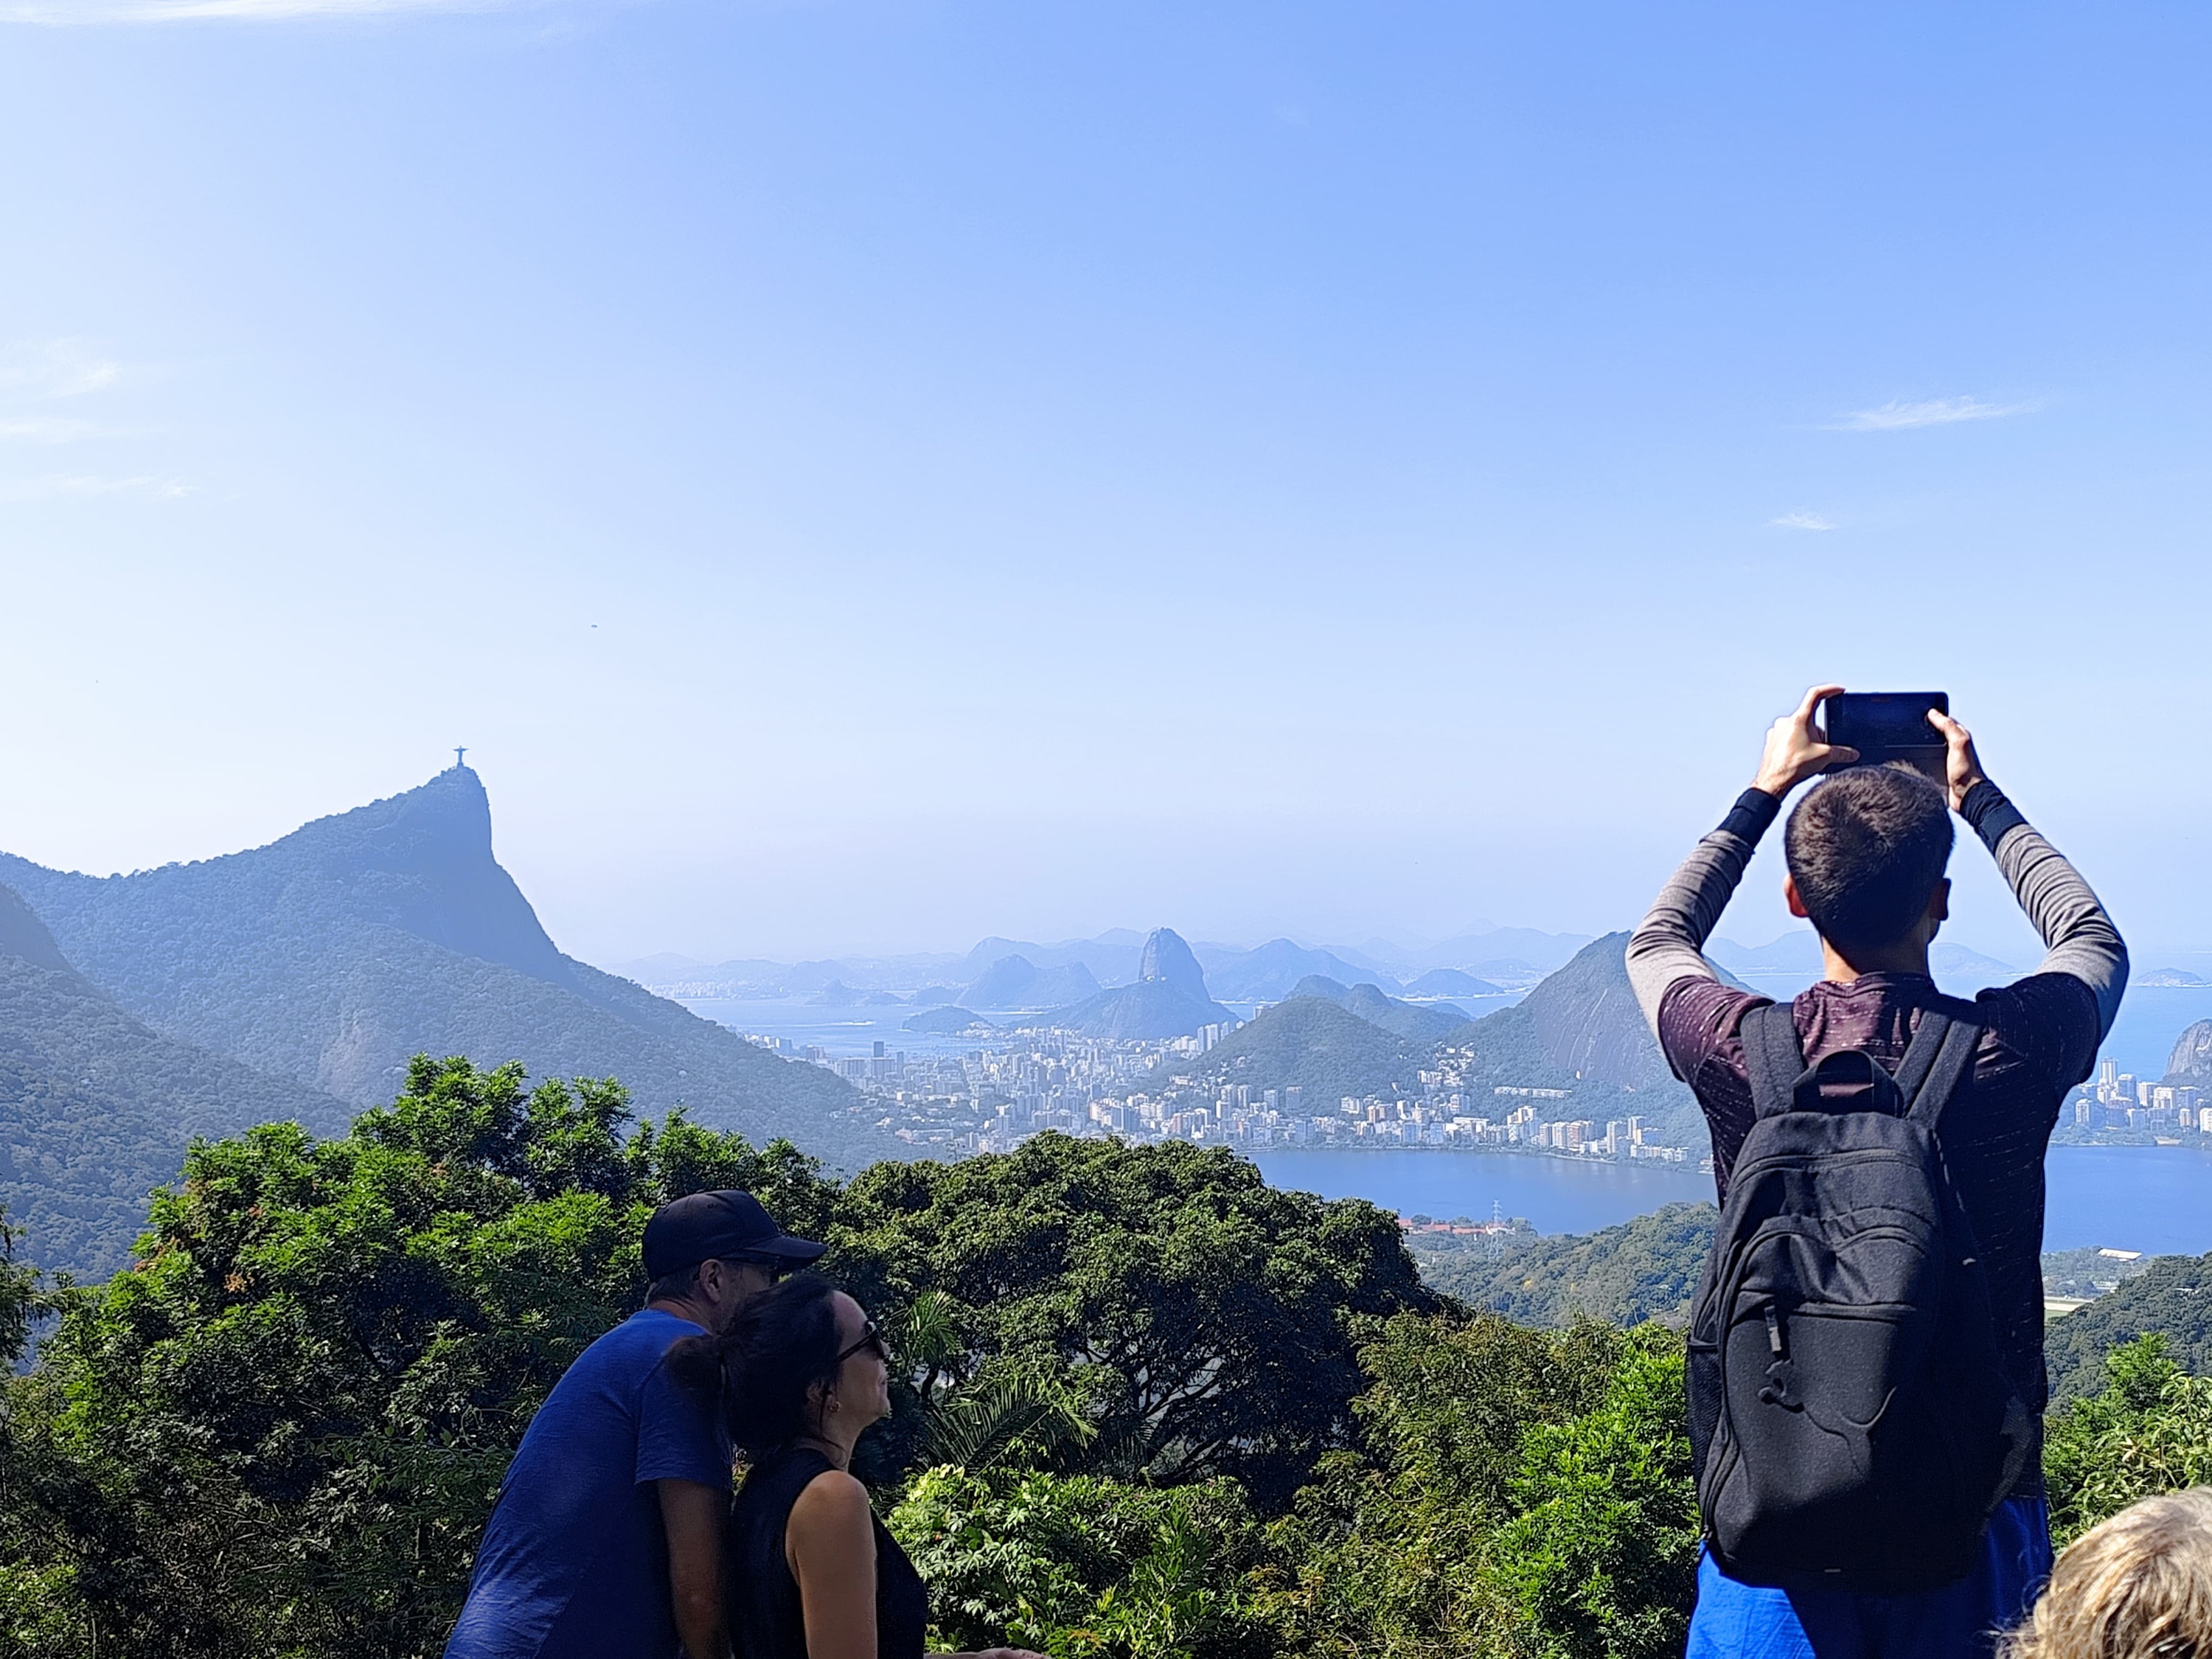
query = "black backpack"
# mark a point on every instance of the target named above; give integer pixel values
(1852, 1425)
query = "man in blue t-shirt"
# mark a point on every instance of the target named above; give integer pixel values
(606, 1542)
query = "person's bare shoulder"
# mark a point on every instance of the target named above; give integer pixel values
(833, 1501)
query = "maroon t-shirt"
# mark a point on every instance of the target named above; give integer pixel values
(2038, 1039)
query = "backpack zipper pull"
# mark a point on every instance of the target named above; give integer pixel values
(1773, 1329)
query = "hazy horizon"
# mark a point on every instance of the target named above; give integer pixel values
(862, 476)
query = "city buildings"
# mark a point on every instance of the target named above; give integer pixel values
(2119, 1102)
(989, 1098)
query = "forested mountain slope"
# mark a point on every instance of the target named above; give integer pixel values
(1410, 1020)
(332, 955)
(1581, 1030)
(95, 1109)
(1326, 1051)
(2172, 1297)
(1646, 1268)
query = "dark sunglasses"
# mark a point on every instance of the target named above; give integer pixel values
(774, 1267)
(872, 1340)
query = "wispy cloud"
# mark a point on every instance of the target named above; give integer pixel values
(1897, 416)
(49, 429)
(61, 13)
(57, 484)
(55, 368)
(1802, 521)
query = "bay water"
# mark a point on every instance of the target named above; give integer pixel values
(2157, 1200)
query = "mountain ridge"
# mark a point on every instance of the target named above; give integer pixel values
(96, 1107)
(332, 955)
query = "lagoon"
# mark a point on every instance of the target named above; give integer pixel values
(2153, 1199)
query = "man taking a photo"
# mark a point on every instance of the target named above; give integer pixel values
(1866, 851)
(606, 1542)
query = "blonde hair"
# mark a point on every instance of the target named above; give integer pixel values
(2137, 1587)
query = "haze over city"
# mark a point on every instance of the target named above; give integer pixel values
(865, 477)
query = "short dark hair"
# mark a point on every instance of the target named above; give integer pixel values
(675, 1286)
(781, 1343)
(1866, 848)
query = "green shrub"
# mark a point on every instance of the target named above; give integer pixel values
(2149, 1432)
(1080, 1565)
(1602, 1557)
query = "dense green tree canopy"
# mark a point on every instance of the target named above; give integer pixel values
(2169, 1296)
(316, 1373)
(1643, 1268)
(1147, 1405)
(1203, 1315)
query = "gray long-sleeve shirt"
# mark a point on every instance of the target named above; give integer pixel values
(2041, 1036)
(2078, 937)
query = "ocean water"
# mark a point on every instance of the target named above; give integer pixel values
(2153, 1199)
(1555, 1194)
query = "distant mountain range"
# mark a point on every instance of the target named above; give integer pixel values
(1795, 957)
(323, 961)
(1270, 971)
(1452, 983)
(838, 994)
(1404, 1019)
(1483, 962)
(1472, 962)
(1015, 982)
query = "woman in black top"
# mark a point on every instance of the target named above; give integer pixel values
(810, 1573)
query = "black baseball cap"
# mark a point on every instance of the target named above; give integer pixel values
(719, 1226)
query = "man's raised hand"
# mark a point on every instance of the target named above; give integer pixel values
(1796, 747)
(1962, 767)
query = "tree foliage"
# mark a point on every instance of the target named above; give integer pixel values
(1420, 1541)
(1146, 1406)
(1643, 1268)
(2169, 1296)
(1081, 1565)
(1602, 1556)
(2150, 1431)
(281, 1431)
(1201, 1315)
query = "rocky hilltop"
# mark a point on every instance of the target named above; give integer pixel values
(331, 955)
(2191, 1059)
(1168, 999)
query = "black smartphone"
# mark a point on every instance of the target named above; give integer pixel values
(1888, 727)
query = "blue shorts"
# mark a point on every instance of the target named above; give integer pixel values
(1959, 1621)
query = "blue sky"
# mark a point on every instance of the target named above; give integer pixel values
(864, 475)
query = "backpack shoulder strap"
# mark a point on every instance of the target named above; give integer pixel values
(1772, 1057)
(1942, 1052)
